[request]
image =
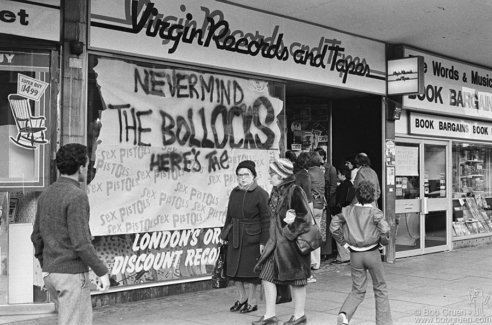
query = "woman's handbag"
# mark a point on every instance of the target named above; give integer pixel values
(283, 294)
(219, 278)
(310, 240)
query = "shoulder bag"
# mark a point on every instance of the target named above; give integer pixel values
(310, 240)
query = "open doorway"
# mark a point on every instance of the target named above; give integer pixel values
(343, 122)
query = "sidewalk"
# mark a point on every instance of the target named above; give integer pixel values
(429, 289)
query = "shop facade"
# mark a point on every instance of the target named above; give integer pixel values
(182, 94)
(443, 168)
(169, 96)
(29, 66)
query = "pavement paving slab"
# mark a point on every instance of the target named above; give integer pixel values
(439, 288)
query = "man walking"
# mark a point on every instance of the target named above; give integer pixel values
(62, 239)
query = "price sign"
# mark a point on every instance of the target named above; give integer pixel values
(30, 88)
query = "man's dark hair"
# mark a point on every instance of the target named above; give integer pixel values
(321, 152)
(315, 159)
(345, 171)
(365, 192)
(303, 161)
(70, 157)
(351, 159)
(362, 160)
(291, 156)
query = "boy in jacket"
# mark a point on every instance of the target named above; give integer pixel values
(361, 228)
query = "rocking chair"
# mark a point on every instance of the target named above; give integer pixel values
(30, 128)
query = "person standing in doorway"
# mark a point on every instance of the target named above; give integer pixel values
(319, 202)
(330, 190)
(303, 180)
(62, 239)
(350, 163)
(246, 230)
(361, 228)
(367, 173)
(344, 196)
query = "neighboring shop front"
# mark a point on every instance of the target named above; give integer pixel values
(443, 159)
(179, 92)
(29, 62)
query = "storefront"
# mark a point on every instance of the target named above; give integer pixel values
(179, 92)
(29, 60)
(443, 166)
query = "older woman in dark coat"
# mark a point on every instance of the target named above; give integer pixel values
(246, 228)
(282, 263)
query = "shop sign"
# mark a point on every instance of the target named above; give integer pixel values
(231, 37)
(448, 127)
(453, 88)
(406, 76)
(169, 144)
(41, 21)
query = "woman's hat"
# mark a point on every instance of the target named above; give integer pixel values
(283, 167)
(249, 164)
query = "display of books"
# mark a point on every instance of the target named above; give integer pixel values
(457, 231)
(481, 228)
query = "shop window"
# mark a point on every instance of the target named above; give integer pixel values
(24, 127)
(164, 143)
(472, 189)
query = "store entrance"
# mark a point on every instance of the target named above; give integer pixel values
(342, 122)
(422, 197)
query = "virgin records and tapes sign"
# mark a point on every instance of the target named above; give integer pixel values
(229, 37)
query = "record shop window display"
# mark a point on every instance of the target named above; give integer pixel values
(173, 136)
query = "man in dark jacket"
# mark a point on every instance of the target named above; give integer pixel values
(330, 195)
(62, 239)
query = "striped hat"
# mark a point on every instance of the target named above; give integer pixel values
(283, 167)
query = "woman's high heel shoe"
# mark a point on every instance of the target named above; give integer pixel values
(238, 305)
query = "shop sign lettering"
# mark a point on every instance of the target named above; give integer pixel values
(422, 124)
(206, 27)
(453, 88)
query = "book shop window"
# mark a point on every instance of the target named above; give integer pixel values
(472, 189)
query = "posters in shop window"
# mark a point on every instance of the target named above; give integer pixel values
(169, 144)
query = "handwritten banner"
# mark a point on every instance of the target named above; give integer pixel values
(169, 145)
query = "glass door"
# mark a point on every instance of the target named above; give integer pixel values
(422, 197)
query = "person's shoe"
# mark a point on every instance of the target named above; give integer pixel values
(340, 262)
(238, 305)
(342, 319)
(248, 308)
(269, 321)
(311, 279)
(300, 321)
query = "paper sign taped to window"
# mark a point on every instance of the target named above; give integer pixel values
(30, 88)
